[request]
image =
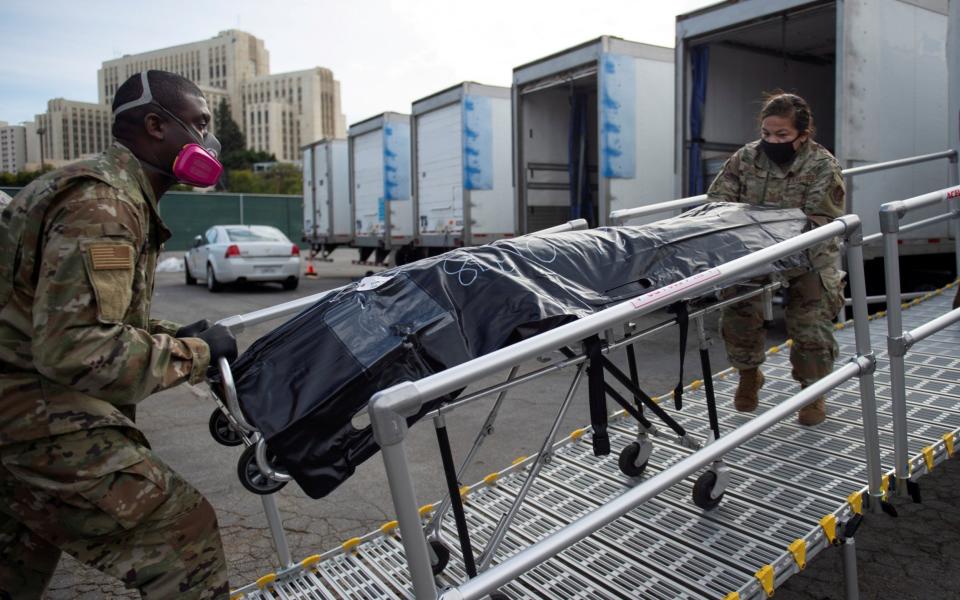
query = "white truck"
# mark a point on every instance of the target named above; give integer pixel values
(327, 214)
(873, 71)
(462, 184)
(592, 132)
(383, 211)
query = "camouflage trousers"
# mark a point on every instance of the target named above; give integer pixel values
(105, 498)
(813, 300)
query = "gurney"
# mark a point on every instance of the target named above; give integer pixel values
(419, 319)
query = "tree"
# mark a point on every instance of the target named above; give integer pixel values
(228, 132)
(233, 145)
(21, 178)
(281, 179)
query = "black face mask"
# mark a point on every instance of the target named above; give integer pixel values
(779, 152)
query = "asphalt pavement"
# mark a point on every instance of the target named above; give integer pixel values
(910, 557)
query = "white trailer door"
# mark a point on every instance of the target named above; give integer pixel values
(339, 182)
(368, 183)
(396, 174)
(894, 106)
(440, 185)
(493, 213)
(651, 138)
(308, 196)
(321, 180)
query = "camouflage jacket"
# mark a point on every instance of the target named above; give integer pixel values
(77, 346)
(812, 182)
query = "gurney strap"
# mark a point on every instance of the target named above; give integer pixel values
(598, 396)
(683, 321)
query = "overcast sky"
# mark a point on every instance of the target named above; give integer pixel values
(385, 53)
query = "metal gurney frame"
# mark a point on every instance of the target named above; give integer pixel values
(258, 475)
(389, 409)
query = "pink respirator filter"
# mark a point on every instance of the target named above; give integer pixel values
(197, 167)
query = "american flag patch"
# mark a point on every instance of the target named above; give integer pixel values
(111, 256)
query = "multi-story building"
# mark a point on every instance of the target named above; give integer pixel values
(277, 113)
(33, 145)
(222, 62)
(284, 111)
(13, 148)
(19, 147)
(71, 130)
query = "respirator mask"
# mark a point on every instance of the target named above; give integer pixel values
(196, 164)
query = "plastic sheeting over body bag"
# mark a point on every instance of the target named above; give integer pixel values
(302, 383)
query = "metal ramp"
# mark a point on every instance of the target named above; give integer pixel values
(792, 489)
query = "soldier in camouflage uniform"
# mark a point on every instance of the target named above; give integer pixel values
(787, 169)
(78, 350)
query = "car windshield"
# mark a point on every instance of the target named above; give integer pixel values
(255, 234)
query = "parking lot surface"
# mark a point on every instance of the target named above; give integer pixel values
(911, 557)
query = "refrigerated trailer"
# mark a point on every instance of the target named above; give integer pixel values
(873, 71)
(379, 157)
(327, 215)
(592, 132)
(462, 184)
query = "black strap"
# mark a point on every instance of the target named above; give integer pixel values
(598, 396)
(456, 502)
(634, 376)
(708, 390)
(683, 320)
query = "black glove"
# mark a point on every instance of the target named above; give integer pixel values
(221, 342)
(193, 329)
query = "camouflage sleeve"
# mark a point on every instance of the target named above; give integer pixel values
(164, 326)
(83, 293)
(825, 198)
(726, 186)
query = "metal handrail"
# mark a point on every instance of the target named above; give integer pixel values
(390, 408)
(898, 342)
(546, 548)
(619, 217)
(929, 328)
(901, 162)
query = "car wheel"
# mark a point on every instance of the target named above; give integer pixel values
(191, 280)
(291, 283)
(212, 284)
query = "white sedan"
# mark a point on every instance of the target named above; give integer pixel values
(229, 253)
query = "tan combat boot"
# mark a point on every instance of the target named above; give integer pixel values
(751, 380)
(813, 413)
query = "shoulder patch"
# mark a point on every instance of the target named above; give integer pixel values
(105, 257)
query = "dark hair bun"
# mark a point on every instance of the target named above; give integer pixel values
(782, 104)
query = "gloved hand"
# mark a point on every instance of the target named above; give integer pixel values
(193, 329)
(221, 342)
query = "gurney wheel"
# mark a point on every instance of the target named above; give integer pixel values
(702, 489)
(628, 459)
(222, 431)
(251, 477)
(442, 555)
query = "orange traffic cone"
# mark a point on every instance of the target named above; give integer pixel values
(310, 270)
